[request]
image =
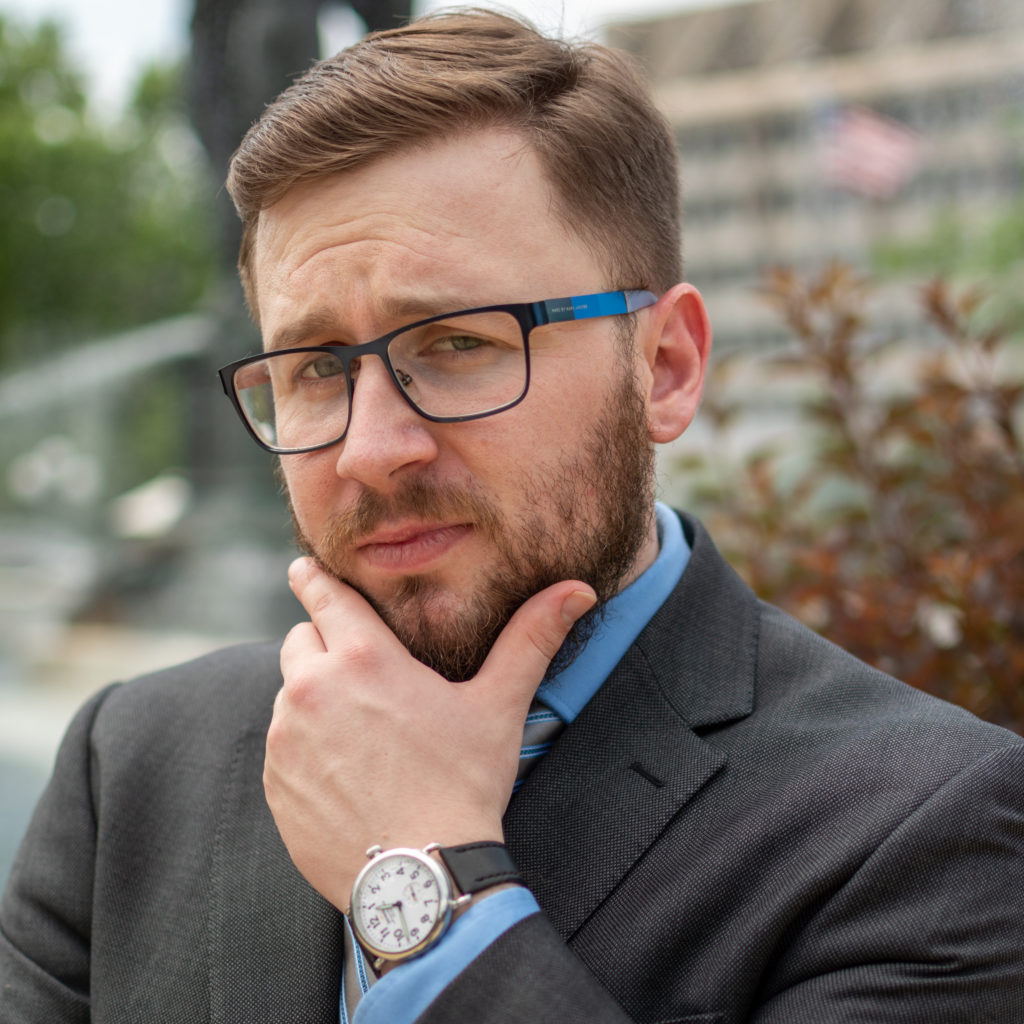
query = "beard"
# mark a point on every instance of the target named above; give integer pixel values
(585, 517)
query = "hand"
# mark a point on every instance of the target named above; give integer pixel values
(368, 745)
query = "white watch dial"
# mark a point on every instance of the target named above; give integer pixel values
(399, 901)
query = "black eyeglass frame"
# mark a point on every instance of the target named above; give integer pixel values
(528, 315)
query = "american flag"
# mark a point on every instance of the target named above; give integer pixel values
(869, 154)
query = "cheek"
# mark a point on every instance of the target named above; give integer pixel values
(309, 481)
(563, 410)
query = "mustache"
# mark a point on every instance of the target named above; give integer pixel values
(419, 498)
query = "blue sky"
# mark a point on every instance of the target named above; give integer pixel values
(112, 38)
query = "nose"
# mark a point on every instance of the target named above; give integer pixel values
(386, 436)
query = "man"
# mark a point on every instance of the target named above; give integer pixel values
(738, 822)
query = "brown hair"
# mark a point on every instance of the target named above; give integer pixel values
(584, 108)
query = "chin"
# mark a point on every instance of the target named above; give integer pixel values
(425, 602)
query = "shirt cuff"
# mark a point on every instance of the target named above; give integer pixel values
(409, 988)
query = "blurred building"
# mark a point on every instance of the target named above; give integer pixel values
(812, 129)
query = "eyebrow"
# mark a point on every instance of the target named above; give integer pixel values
(298, 332)
(414, 307)
(402, 308)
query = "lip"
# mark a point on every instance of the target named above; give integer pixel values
(411, 547)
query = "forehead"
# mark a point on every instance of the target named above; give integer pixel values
(467, 221)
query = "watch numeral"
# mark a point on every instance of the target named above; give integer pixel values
(425, 919)
(401, 870)
(374, 922)
(415, 874)
(414, 932)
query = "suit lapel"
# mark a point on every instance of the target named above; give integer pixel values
(275, 943)
(590, 809)
(632, 760)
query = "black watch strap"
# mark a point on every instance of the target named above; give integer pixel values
(477, 866)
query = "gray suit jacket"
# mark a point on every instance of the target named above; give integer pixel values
(744, 824)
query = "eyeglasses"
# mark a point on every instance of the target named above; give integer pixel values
(449, 368)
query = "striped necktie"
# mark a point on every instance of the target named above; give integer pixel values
(539, 733)
(541, 729)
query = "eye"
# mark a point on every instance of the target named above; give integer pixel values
(458, 343)
(321, 367)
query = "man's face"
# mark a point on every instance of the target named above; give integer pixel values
(448, 528)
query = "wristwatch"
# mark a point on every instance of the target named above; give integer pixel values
(403, 900)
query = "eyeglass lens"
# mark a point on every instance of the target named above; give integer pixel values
(463, 365)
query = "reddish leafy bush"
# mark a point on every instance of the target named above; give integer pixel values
(890, 514)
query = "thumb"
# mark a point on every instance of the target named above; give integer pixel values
(521, 654)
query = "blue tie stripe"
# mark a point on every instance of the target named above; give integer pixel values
(534, 750)
(541, 716)
(539, 732)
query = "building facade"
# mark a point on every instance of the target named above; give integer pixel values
(818, 129)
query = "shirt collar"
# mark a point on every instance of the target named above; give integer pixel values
(625, 615)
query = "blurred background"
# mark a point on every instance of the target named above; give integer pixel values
(853, 214)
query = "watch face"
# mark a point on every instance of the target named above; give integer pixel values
(400, 903)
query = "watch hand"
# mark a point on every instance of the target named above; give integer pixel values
(401, 914)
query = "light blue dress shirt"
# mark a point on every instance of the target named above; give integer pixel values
(408, 989)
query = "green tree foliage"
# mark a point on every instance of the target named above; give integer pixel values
(888, 513)
(967, 243)
(105, 225)
(959, 247)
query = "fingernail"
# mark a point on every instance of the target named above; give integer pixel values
(577, 604)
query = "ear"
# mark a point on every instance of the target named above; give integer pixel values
(674, 350)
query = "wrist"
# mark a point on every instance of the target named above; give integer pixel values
(405, 900)
(459, 912)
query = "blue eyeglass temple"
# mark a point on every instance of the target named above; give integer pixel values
(583, 307)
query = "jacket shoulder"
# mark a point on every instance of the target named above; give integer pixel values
(231, 686)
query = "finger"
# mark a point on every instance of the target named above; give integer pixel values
(522, 653)
(336, 609)
(302, 644)
(303, 639)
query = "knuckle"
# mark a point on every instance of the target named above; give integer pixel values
(320, 602)
(301, 687)
(546, 638)
(359, 652)
(295, 636)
